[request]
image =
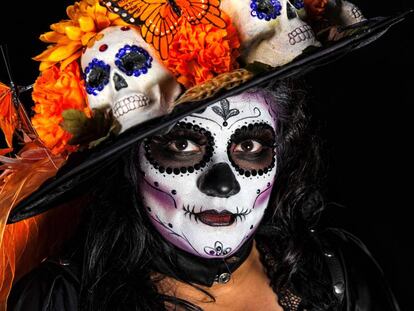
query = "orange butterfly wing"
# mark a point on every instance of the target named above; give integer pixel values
(8, 115)
(202, 11)
(159, 19)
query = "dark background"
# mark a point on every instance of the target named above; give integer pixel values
(363, 104)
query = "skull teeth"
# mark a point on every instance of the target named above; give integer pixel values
(301, 34)
(130, 103)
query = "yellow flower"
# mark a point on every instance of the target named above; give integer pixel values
(68, 37)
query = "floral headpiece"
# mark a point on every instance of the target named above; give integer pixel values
(198, 52)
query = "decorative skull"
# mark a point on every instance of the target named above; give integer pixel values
(123, 74)
(272, 31)
(343, 13)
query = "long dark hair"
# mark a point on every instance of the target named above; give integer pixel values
(119, 241)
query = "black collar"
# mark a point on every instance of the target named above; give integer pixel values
(186, 267)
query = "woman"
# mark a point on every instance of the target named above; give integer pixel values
(237, 230)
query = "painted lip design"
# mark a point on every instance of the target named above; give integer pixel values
(215, 218)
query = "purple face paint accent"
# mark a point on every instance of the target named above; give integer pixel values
(263, 197)
(168, 234)
(161, 197)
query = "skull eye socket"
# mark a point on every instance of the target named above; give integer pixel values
(133, 60)
(96, 76)
(265, 9)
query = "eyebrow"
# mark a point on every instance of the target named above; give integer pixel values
(208, 119)
(255, 109)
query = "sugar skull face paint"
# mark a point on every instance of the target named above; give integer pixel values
(207, 182)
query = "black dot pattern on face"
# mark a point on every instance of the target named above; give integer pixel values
(149, 209)
(174, 192)
(251, 227)
(183, 170)
(248, 173)
(170, 225)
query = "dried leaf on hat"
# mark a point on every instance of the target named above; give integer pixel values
(225, 81)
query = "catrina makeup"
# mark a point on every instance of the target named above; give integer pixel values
(207, 182)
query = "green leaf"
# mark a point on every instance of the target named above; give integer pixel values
(89, 132)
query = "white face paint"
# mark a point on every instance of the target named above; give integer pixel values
(207, 183)
(123, 74)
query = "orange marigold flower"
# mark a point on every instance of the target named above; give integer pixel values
(54, 92)
(68, 37)
(200, 52)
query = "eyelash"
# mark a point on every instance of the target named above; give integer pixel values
(177, 135)
(256, 133)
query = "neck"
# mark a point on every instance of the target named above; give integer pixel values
(183, 266)
(250, 278)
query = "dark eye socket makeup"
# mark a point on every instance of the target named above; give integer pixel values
(251, 147)
(185, 147)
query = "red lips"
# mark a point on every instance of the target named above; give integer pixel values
(216, 219)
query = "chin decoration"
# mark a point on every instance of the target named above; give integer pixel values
(272, 32)
(122, 73)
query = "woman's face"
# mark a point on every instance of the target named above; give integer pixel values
(207, 182)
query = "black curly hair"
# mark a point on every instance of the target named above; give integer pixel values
(119, 241)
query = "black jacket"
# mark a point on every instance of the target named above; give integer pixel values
(356, 279)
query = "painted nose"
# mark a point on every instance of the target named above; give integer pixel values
(119, 82)
(218, 181)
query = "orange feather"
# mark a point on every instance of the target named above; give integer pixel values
(21, 246)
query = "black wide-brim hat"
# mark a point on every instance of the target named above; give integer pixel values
(83, 166)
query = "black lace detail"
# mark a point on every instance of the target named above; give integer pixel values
(289, 301)
(286, 299)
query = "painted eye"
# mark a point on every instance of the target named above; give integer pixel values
(184, 146)
(251, 149)
(299, 4)
(250, 146)
(133, 60)
(96, 76)
(265, 9)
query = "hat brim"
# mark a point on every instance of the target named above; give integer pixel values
(82, 167)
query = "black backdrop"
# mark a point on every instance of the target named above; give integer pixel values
(363, 104)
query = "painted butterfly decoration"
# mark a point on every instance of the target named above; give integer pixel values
(159, 19)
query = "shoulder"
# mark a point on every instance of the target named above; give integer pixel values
(54, 285)
(355, 273)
